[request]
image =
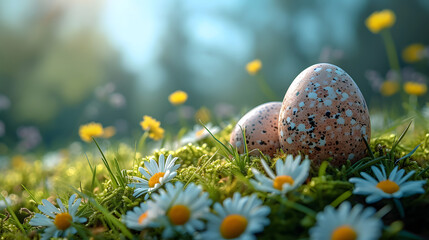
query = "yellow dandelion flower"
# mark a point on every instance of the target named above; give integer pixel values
(90, 130)
(156, 134)
(203, 114)
(389, 87)
(153, 126)
(178, 97)
(415, 88)
(254, 66)
(149, 123)
(413, 53)
(109, 132)
(378, 21)
(18, 162)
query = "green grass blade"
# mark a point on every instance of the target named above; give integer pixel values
(367, 164)
(10, 210)
(423, 171)
(358, 163)
(391, 127)
(408, 155)
(200, 168)
(112, 220)
(395, 144)
(243, 134)
(368, 147)
(225, 149)
(93, 171)
(106, 163)
(119, 175)
(31, 195)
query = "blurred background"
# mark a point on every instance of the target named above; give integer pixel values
(64, 63)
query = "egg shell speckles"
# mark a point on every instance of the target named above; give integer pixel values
(261, 129)
(324, 115)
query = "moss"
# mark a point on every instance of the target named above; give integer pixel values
(204, 163)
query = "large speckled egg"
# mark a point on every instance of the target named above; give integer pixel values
(324, 115)
(261, 130)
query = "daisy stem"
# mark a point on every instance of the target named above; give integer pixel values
(322, 168)
(412, 108)
(399, 206)
(341, 198)
(265, 88)
(383, 211)
(392, 55)
(297, 206)
(391, 51)
(181, 116)
(142, 142)
(413, 102)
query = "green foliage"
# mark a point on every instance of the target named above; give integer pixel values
(216, 166)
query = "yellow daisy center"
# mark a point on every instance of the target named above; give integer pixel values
(142, 217)
(233, 226)
(344, 232)
(280, 180)
(200, 132)
(179, 214)
(63, 221)
(155, 179)
(388, 186)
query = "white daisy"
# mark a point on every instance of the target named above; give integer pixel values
(199, 133)
(157, 175)
(58, 221)
(354, 223)
(140, 217)
(238, 218)
(182, 209)
(396, 186)
(290, 175)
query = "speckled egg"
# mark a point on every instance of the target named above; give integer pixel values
(261, 128)
(324, 115)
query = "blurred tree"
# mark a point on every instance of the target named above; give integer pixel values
(50, 72)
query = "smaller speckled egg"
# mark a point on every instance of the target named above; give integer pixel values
(261, 128)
